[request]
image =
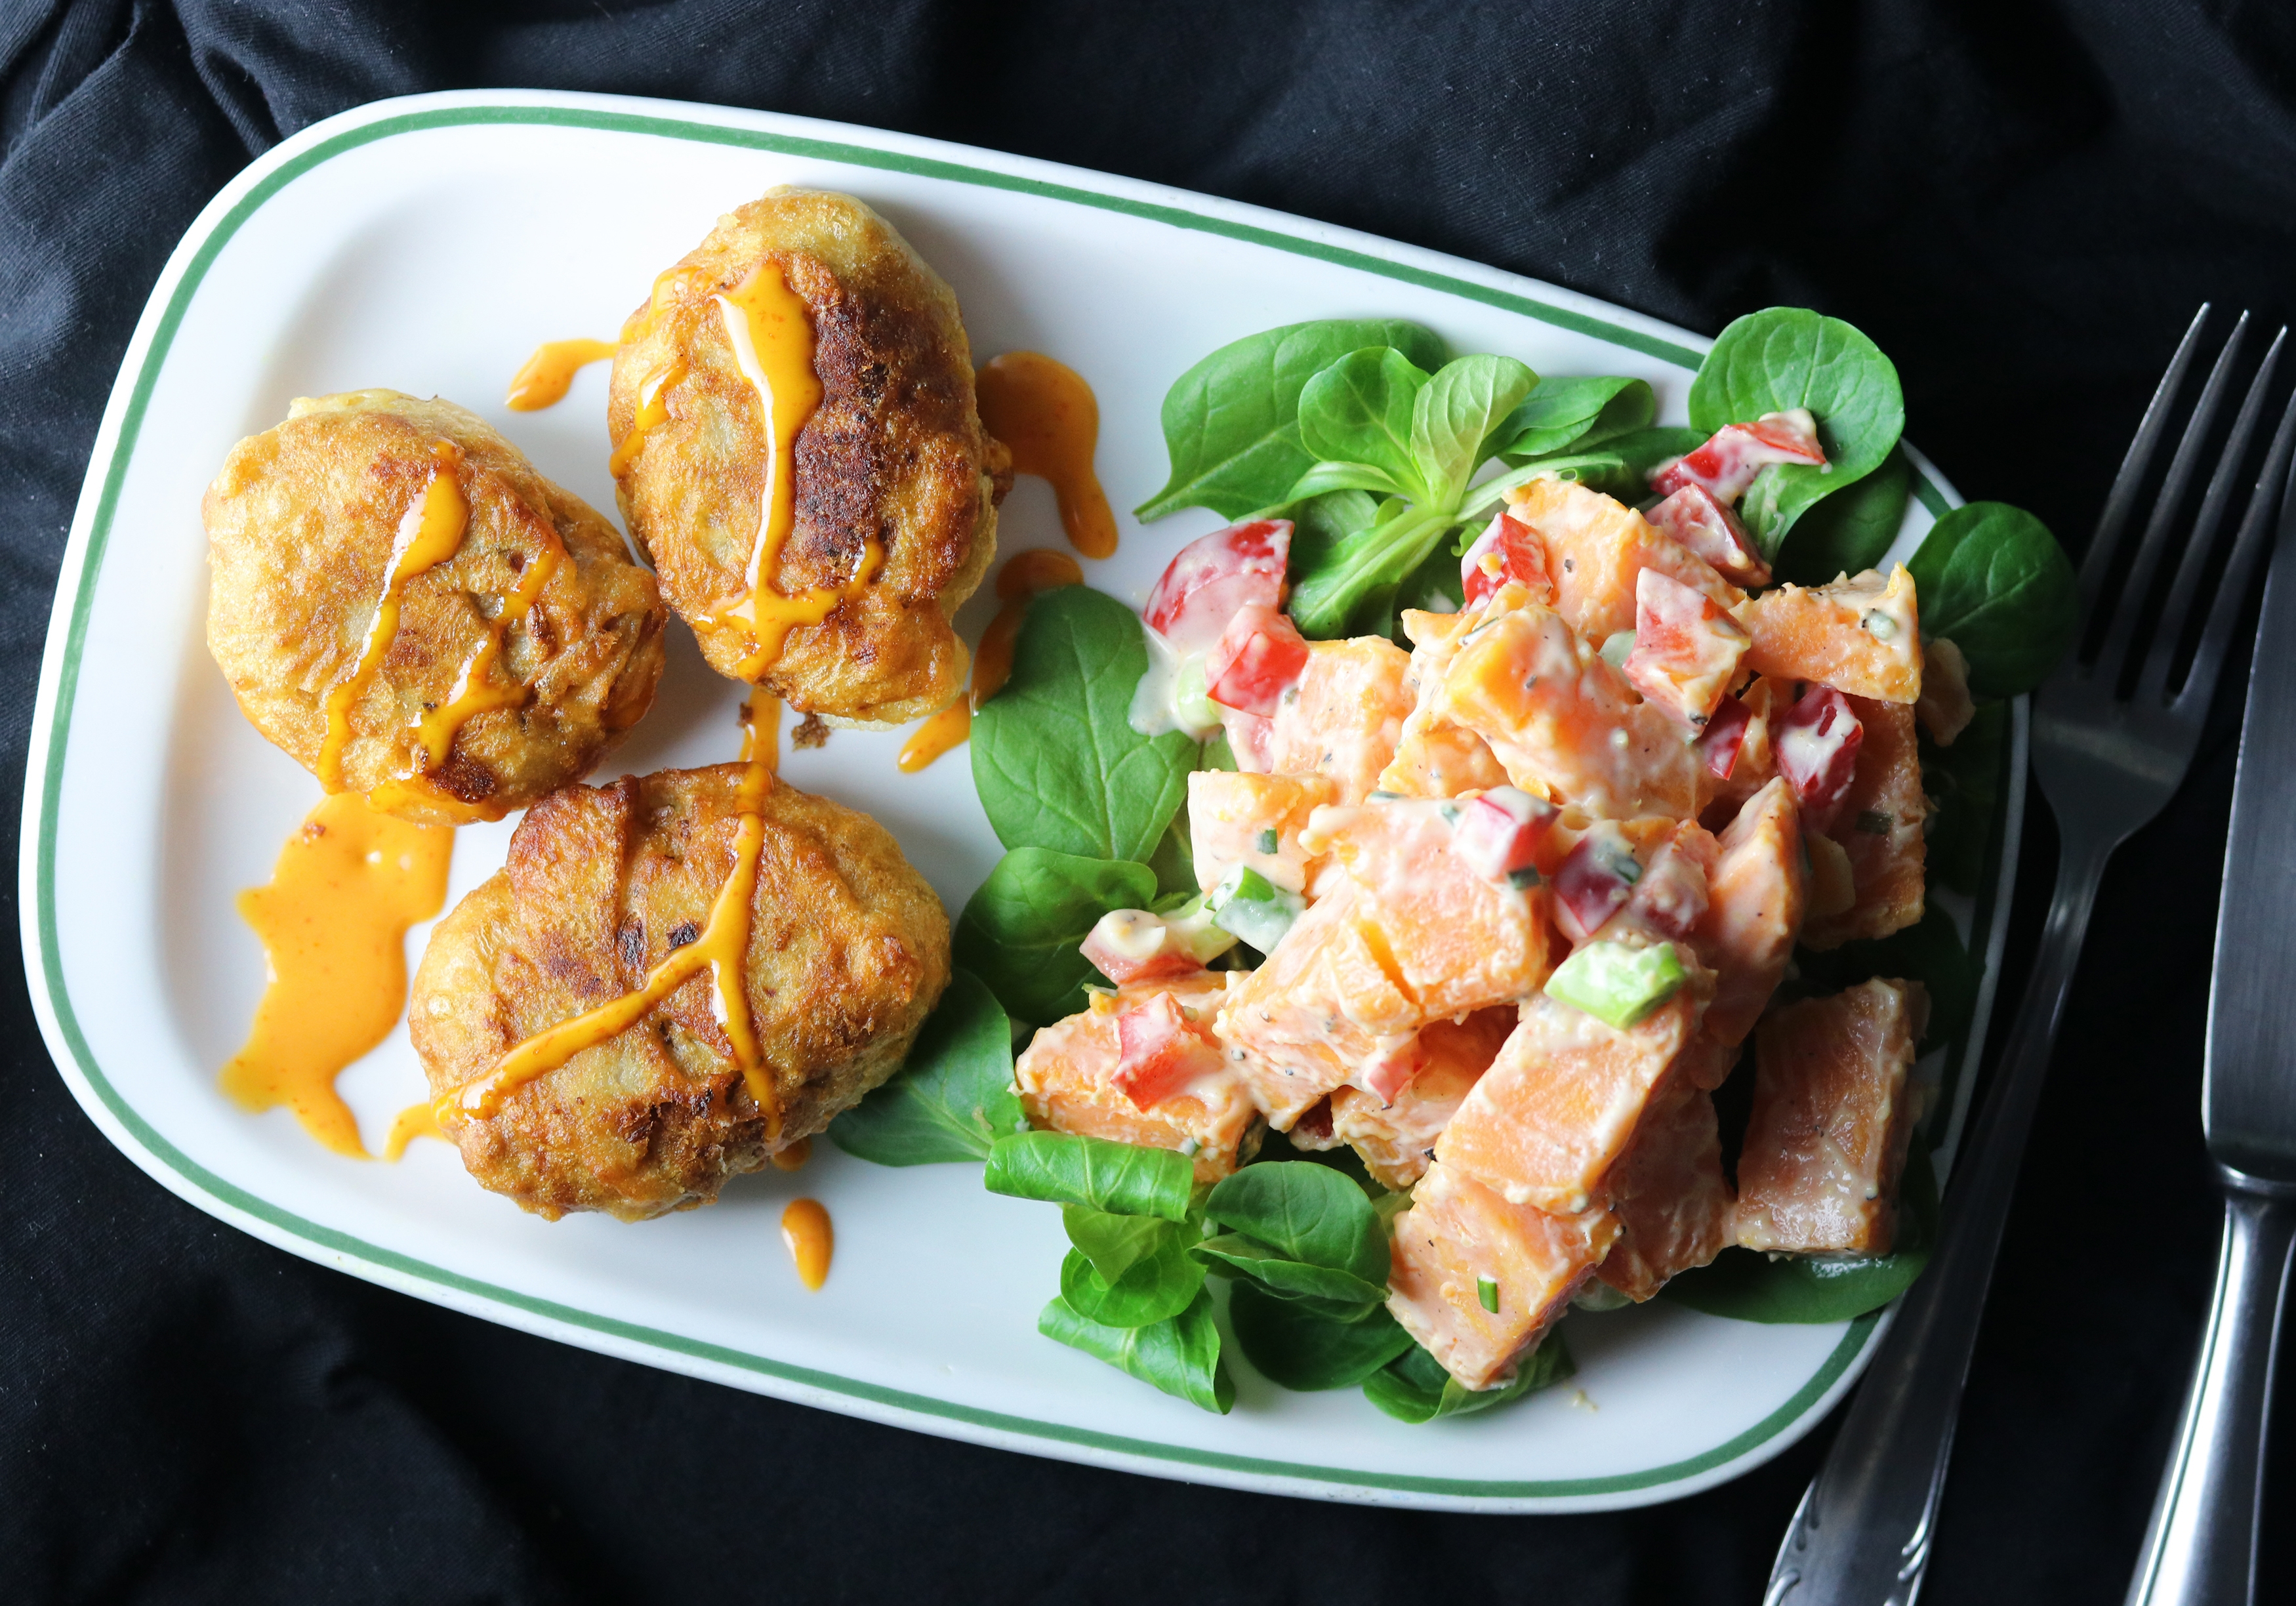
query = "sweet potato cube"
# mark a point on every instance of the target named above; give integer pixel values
(1878, 828)
(1458, 1234)
(1397, 1140)
(1753, 910)
(1672, 1202)
(1433, 757)
(1344, 717)
(1861, 635)
(1686, 648)
(1827, 1137)
(1564, 722)
(1560, 1102)
(1596, 547)
(1068, 1075)
(1253, 820)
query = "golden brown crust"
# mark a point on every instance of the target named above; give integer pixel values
(300, 523)
(895, 453)
(849, 951)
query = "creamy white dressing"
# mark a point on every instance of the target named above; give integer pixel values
(1169, 695)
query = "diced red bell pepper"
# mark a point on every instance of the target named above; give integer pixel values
(1728, 462)
(1816, 743)
(1213, 577)
(1315, 1126)
(1159, 1052)
(1671, 897)
(1507, 549)
(1390, 1068)
(1718, 745)
(1257, 658)
(1686, 649)
(1134, 945)
(1499, 833)
(1594, 881)
(1706, 527)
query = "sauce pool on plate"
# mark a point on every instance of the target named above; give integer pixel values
(1047, 415)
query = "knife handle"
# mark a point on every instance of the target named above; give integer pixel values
(2200, 1547)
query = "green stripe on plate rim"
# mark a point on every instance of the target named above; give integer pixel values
(341, 1244)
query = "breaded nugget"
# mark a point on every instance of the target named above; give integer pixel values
(516, 661)
(846, 953)
(892, 469)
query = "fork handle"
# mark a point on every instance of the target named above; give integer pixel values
(2201, 1548)
(1862, 1535)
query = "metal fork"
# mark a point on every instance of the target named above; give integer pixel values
(2108, 762)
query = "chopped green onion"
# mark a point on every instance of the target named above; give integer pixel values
(1486, 1289)
(1254, 908)
(1267, 841)
(1616, 984)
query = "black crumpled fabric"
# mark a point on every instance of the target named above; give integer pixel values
(2022, 202)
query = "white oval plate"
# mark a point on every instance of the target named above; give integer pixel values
(428, 244)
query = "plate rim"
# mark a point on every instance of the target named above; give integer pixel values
(89, 542)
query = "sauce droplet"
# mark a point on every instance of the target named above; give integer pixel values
(543, 383)
(429, 534)
(805, 1228)
(1022, 577)
(761, 729)
(333, 925)
(416, 1120)
(771, 330)
(1045, 412)
(653, 401)
(793, 1158)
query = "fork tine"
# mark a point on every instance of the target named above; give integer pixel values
(2112, 654)
(2248, 550)
(2161, 657)
(2105, 543)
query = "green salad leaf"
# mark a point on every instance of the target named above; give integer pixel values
(1965, 782)
(954, 1097)
(1619, 466)
(1297, 1347)
(1336, 1290)
(1180, 1355)
(1790, 356)
(1848, 532)
(1358, 410)
(1155, 1288)
(1065, 1169)
(1575, 412)
(1993, 580)
(1055, 757)
(1413, 1386)
(1113, 1243)
(1305, 1213)
(1232, 424)
(1020, 932)
(1750, 1287)
(1460, 410)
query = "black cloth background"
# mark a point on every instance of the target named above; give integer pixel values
(2021, 202)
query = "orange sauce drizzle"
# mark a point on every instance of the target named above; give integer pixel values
(722, 949)
(471, 695)
(653, 405)
(333, 925)
(761, 729)
(543, 383)
(772, 335)
(416, 1120)
(805, 1228)
(431, 532)
(793, 1158)
(1022, 577)
(1045, 412)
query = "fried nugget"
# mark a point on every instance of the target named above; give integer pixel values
(893, 456)
(516, 661)
(846, 954)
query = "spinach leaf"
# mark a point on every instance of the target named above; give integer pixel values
(1458, 411)
(1154, 1289)
(1928, 951)
(1065, 1169)
(1789, 356)
(1575, 412)
(1340, 1292)
(1297, 1349)
(1993, 580)
(1020, 932)
(1055, 757)
(953, 1098)
(1310, 1213)
(1174, 863)
(1231, 422)
(1848, 532)
(1413, 1386)
(1359, 410)
(1750, 1287)
(1180, 1356)
(1965, 780)
(1352, 586)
